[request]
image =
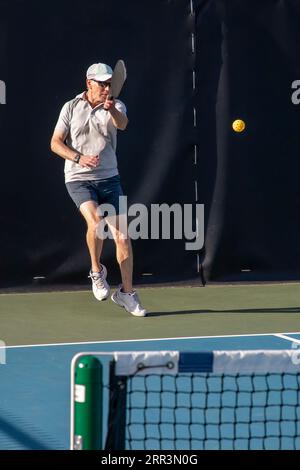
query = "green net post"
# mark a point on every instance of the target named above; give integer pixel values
(88, 404)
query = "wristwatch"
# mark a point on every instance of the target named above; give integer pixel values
(77, 158)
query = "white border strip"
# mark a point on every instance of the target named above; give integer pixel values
(288, 338)
(250, 335)
(262, 361)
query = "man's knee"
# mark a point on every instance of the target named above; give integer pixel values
(93, 224)
(122, 241)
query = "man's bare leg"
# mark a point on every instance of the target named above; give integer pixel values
(98, 273)
(89, 211)
(125, 297)
(123, 251)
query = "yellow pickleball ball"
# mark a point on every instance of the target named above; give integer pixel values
(238, 125)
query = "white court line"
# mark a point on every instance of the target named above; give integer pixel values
(288, 338)
(147, 340)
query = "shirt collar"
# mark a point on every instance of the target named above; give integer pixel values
(83, 97)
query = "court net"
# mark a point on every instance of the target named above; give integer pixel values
(204, 401)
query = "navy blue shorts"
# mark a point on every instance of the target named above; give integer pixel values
(101, 191)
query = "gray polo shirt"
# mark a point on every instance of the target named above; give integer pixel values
(90, 131)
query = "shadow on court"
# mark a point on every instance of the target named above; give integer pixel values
(13, 434)
(242, 311)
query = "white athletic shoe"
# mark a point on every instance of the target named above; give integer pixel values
(130, 302)
(101, 289)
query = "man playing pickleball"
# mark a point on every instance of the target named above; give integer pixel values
(86, 137)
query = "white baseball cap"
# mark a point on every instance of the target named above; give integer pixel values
(99, 72)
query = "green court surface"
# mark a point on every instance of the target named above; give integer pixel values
(64, 317)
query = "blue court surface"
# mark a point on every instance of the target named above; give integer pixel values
(35, 382)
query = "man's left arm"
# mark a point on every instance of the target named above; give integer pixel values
(120, 120)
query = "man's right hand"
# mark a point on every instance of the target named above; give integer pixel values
(89, 161)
